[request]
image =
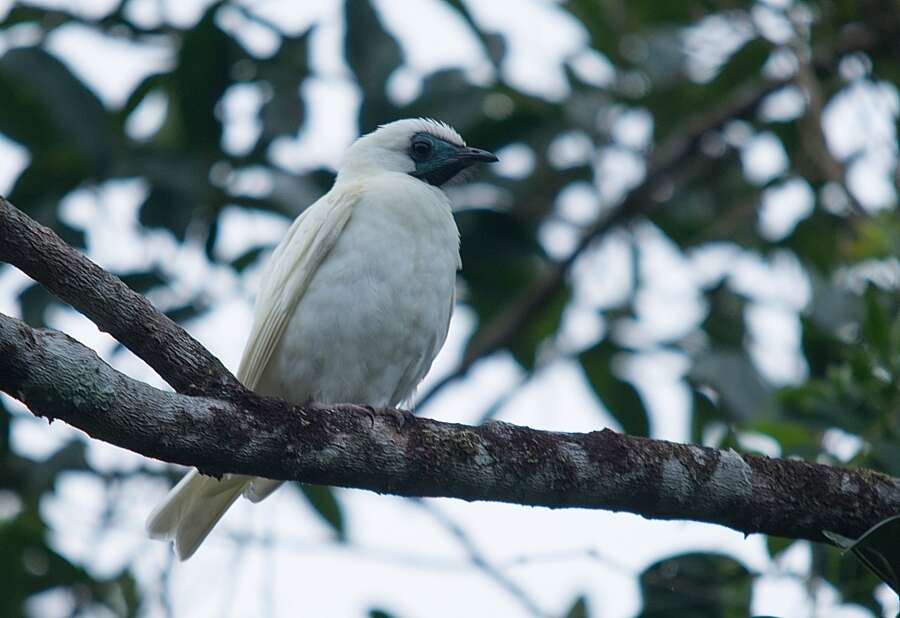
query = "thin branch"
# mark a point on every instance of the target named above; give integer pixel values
(392, 451)
(812, 126)
(502, 329)
(478, 560)
(671, 156)
(111, 305)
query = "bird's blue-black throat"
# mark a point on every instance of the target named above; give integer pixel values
(438, 160)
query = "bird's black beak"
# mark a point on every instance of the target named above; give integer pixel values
(450, 162)
(476, 155)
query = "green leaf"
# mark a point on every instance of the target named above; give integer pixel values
(33, 303)
(703, 412)
(29, 566)
(284, 112)
(187, 311)
(143, 281)
(724, 321)
(202, 74)
(137, 96)
(247, 258)
(745, 64)
(47, 107)
(696, 585)
(373, 55)
(500, 259)
(819, 239)
(794, 438)
(878, 548)
(579, 608)
(777, 544)
(885, 455)
(850, 577)
(620, 398)
(876, 327)
(743, 394)
(323, 500)
(169, 208)
(542, 325)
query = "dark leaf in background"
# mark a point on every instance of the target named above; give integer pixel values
(850, 577)
(696, 585)
(819, 239)
(64, 127)
(724, 321)
(446, 95)
(703, 413)
(283, 113)
(743, 393)
(203, 71)
(143, 281)
(33, 303)
(373, 55)
(619, 397)
(153, 82)
(525, 347)
(776, 545)
(380, 613)
(325, 503)
(187, 311)
(247, 258)
(500, 256)
(170, 208)
(795, 439)
(602, 28)
(47, 106)
(673, 100)
(820, 347)
(579, 609)
(29, 567)
(875, 326)
(878, 548)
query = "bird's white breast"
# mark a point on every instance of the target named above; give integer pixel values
(377, 309)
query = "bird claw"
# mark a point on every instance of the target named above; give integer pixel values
(399, 417)
(362, 409)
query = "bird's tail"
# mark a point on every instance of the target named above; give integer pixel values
(192, 508)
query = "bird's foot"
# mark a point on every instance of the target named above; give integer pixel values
(369, 411)
(398, 416)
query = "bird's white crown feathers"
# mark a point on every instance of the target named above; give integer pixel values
(411, 126)
(386, 148)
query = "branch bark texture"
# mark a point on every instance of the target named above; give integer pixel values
(218, 426)
(392, 451)
(110, 304)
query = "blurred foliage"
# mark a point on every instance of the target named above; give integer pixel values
(874, 549)
(696, 586)
(849, 328)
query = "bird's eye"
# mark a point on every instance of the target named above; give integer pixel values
(421, 148)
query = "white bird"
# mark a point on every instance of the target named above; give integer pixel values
(354, 302)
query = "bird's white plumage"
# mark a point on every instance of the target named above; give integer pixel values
(288, 272)
(354, 305)
(426, 125)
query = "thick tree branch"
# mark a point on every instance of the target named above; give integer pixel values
(395, 452)
(110, 304)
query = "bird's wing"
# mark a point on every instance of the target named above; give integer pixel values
(288, 273)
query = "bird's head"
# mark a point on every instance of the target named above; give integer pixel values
(426, 149)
